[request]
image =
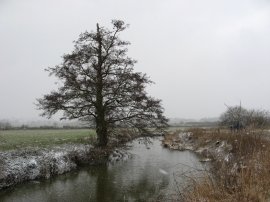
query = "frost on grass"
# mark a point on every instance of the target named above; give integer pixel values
(18, 166)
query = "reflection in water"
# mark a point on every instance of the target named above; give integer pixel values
(144, 177)
(104, 185)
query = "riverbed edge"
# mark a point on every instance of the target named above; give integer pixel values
(218, 150)
(34, 163)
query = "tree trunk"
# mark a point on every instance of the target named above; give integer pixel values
(102, 130)
(101, 124)
(102, 134)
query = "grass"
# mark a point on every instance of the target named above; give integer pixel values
(20, 139)
(245, 178)
(17, 139)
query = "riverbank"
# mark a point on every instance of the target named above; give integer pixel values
(34, 163)
(207, 143)
(239, 169)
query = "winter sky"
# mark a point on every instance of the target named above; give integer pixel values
(200, 54)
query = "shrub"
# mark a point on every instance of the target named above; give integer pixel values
(237, 118)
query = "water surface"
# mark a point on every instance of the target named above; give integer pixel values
(152, 172)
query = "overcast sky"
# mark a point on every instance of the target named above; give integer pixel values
(200, 54)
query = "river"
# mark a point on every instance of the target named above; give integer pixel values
(152, 173)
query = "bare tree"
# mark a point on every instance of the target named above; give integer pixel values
(235, 117)
(238, 118)
(99, 85)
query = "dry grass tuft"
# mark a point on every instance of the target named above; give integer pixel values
(245, 178)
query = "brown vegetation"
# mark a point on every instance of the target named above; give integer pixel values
(245, 177)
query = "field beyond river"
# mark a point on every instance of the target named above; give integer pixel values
(19, 139)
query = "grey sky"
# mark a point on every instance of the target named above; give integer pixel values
(201, 54)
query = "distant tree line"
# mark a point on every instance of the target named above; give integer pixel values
(195, 124)
(5, 125)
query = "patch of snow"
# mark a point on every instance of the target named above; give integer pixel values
(19, 166)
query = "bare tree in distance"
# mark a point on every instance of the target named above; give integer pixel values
(237, 118)
(99, 85)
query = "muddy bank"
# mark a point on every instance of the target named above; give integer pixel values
(207, 149)
(18, 166)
